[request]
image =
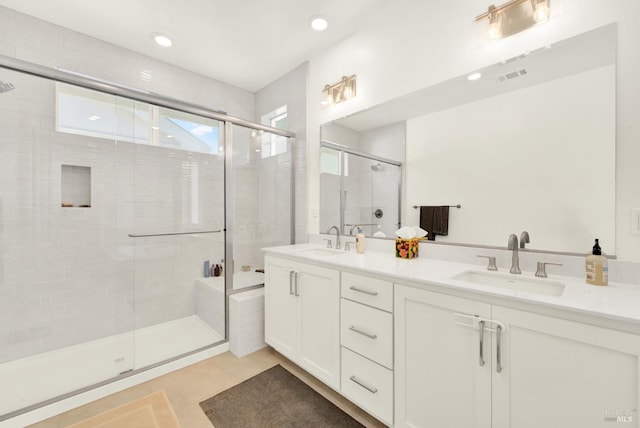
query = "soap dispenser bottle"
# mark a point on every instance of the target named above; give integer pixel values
(360, 241)
(597, 270)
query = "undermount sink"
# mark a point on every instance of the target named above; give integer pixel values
(513, 282)
(319, 252)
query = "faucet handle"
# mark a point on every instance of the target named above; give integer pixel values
(541, 271)
(492, 262)
(328, 243)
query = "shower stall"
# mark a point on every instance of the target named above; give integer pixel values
(126, 220)
(359, 189)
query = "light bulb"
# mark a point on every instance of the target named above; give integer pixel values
(494, 32)
(162, 39)
(319, 23)
(541, 12)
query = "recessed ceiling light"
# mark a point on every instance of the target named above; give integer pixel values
(162, 39)
(318, 22)
(93, 117)
(474, 76)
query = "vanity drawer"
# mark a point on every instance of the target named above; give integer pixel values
(368, 384)
(367, 331)
(370, 291)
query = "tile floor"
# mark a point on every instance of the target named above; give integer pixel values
(189, 386)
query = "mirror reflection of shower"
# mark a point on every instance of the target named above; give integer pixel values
(359, 190)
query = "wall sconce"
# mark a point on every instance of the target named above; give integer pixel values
(341, 91)
(513, 17)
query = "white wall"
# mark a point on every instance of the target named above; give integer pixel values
(420, 43)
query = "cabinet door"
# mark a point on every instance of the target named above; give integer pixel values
(319, 315)
(280, 306)
(439, 381)
(558, 373)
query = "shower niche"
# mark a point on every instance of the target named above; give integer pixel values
(75, 187)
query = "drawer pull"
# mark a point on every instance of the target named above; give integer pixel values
(364, 333)
(371, 389)
(362, 290)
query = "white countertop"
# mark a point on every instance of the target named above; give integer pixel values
(617, 301)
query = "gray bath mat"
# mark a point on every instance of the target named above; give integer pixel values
(274, 398)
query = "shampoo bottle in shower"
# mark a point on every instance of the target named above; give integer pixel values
(379, 233)
(207, 269)
(360, 241)
(597, 269)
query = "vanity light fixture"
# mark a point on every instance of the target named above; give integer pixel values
(162, 40)
(512, 17)
(340, 91)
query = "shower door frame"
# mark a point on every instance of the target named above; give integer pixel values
(342, 149)
(113, 88)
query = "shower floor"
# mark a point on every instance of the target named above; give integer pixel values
(40, 377)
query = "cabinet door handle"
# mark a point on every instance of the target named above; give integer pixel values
(481, 330)
(297, 276)
(362, 290)
(364, 333)
(498, 348)
(369, 388)
(291, 272)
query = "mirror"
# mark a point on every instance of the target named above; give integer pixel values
(528, 146)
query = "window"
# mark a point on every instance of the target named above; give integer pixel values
(86, 112)
(272, 145)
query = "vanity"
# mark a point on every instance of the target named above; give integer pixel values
(436, 343)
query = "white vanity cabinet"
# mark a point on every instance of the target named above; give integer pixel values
(529, 370)
(563, 373)
(442, 376)
(302, 307)
(366, 336)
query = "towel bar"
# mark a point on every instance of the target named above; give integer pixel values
(415, 207)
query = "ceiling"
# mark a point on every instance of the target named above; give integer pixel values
(245, 43)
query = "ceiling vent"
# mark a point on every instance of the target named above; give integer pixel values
(512, 75)
(515, 58)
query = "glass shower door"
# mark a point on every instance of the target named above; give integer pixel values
(178, 237)
(261, 177)
(64, 285)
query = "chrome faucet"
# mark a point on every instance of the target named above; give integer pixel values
(337, 235)
(353, 227)
(524, 238)
(515, 261)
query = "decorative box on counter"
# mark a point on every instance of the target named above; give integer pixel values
(407, 248)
